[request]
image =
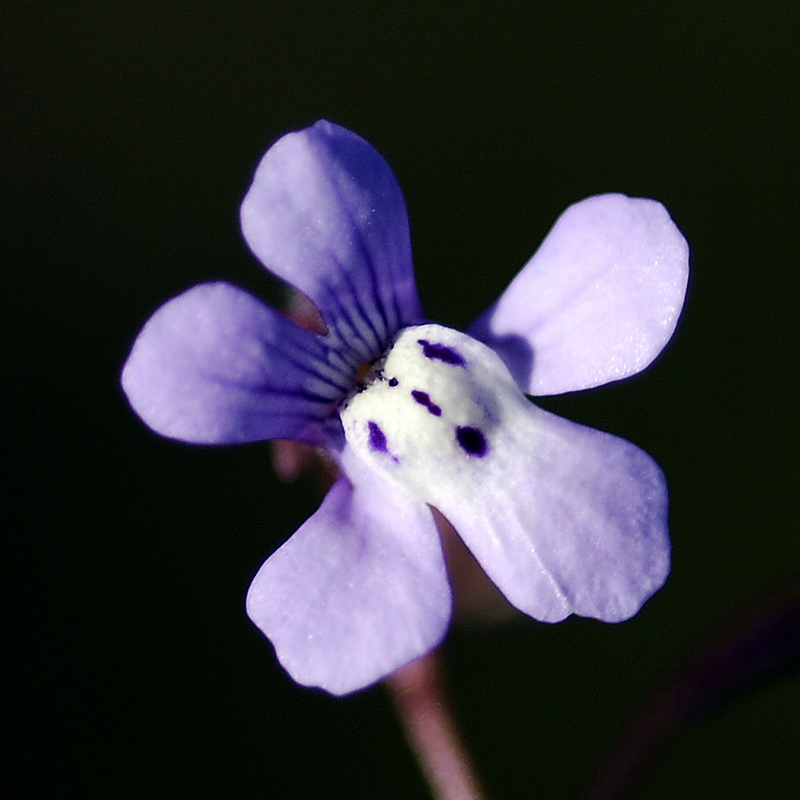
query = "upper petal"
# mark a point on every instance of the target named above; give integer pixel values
(359, 590)
(214, 365)
(597, 302)
(325, 213)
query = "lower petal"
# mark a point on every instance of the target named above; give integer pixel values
(357, 592)
(563, 518)
(568, 520)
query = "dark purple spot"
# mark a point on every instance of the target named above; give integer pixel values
(441, 352)
(471, 440)
(377, 438)
(423, 398)
(393, 381)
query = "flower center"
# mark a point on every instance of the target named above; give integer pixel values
(432, 404)
(363, 373)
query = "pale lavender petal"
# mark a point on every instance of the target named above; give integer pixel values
(357, 592)
(567, 520)
(214, 365)
(597, 302)
(326, 214)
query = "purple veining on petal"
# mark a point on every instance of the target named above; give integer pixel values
(441, 352)
(471, 441)
(423, 398)
(377, 438)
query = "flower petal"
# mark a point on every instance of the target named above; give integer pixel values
(563, 518)
(326, 214)
(214, 365)
(359, 590)
(597, 302)
(568, 520)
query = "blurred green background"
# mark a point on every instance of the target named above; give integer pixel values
(131, 131)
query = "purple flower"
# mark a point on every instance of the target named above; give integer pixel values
(564, 519)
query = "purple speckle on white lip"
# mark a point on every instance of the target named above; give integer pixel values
(423, 398)
(441, 352)
(471, 441)
(377, 438)
(393, 381)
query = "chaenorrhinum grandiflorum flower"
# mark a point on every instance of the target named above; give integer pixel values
(564, 519)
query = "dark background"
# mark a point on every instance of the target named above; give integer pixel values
(130, 135)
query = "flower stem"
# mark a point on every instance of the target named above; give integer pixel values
(417, 691)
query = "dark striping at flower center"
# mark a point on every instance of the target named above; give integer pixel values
(471, 441)
(423, 398)
(377, 438)
(441, 352)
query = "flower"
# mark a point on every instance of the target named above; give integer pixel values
(564, 519)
